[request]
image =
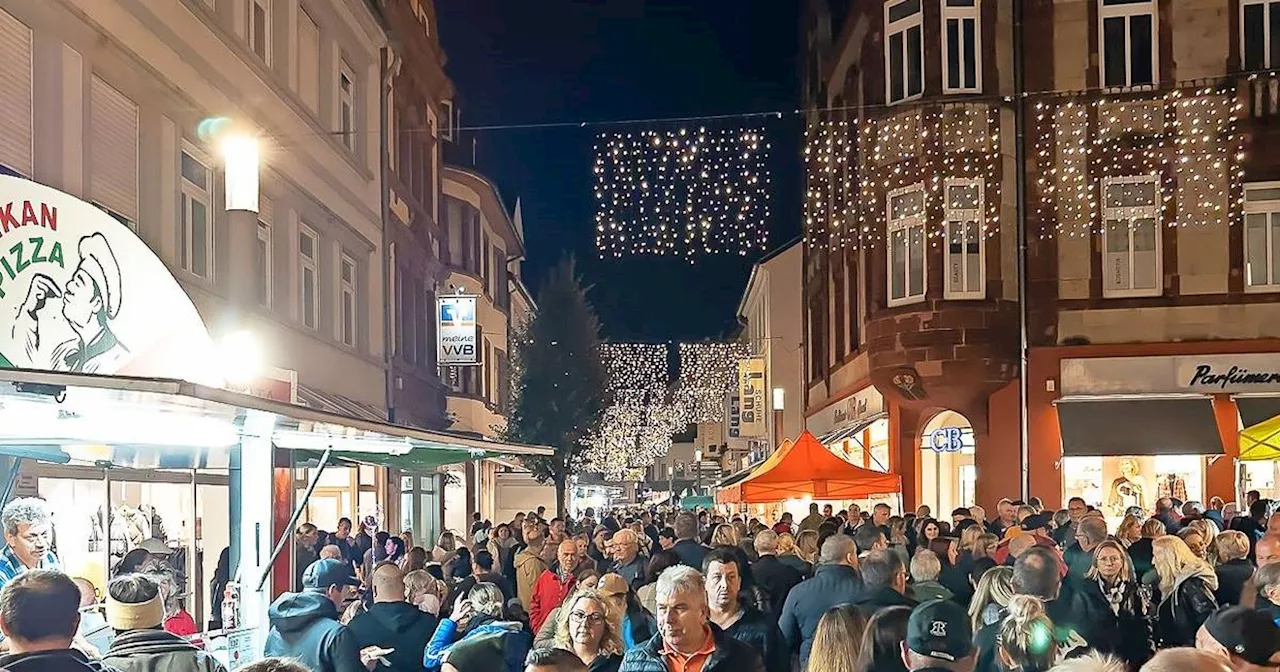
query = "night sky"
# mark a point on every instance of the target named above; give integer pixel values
(546, 61)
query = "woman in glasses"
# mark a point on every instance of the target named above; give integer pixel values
(590, 631)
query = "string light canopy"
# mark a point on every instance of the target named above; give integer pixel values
(1186, 139)
(708, 371)
(637, 428)
(684, 192)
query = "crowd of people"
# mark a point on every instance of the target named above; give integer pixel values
(1182, 587)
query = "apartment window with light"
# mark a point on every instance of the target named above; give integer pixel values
(1131, 236)
(1259, 34)
(260, 29)
(347, 105)
(195, 245)
(965, 255)
(904, 50)
(906, 245)
(961, 37)
(1262, 237)
(309, 280)
(1127, 51)
(262, 263)
(348, 301)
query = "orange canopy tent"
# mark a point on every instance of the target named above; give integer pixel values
(806, 469)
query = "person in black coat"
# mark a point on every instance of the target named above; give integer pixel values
(687, 547)
(740, 619)
(776, 577)
(682, 599)
(884, 578)
(1234, 568)
(834, 582)
(1184, 593)
(1114, 606)
(393, 623)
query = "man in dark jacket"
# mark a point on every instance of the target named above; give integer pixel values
(393, 623)
(835, 582)
(305, 625)
(482, 572)
(884, 583)
(1036, 573)
(39, 614)
(687, 547)
(685, 639)
(723, 571)
(135, 611)
(775, 576)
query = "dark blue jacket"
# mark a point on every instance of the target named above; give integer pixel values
(691, 553)
(831, 585)
(305, 626)
(730, 656)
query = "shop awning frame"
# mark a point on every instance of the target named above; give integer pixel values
(1255, 409)
(846, 432)
(1120, 425)
(309, 429)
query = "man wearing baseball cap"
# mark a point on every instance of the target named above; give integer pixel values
(939, 638)
(1249, 639)
(305, 625)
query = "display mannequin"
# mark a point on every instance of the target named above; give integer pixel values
(1127, 490)
(1173, 486)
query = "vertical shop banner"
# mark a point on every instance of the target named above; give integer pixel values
(751, 392)
(81, 292)
(457, 332)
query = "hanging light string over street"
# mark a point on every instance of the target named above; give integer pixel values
(682, 192)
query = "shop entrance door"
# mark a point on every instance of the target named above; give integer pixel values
(947, 470)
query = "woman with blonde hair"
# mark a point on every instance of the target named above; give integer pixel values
(1208, 531)
(725, 535)
(1110, 581)
(1231, 548)
(985, 545)
(991, 595)
(969, 538)
(837, 640)
(424, 591)
(789, 554)
(1185, 588)
(1129, 531)
(591, 631)
(1026, 638)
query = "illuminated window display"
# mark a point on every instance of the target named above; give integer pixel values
(1260, 476)
(1112, 484)
(948, 474)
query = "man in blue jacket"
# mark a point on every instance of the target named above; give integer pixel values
(305, 625)
(836, 581)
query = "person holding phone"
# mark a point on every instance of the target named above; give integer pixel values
(478, 620)
(397, 630)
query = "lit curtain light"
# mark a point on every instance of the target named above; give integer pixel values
(1187, 137)
(637, 428)
(682, 193)
(707, 372)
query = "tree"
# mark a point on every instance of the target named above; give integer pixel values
(560, 385)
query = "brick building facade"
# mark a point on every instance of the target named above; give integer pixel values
(1151, 247)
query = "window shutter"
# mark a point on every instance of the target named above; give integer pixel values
(114, 164)
(15, 104)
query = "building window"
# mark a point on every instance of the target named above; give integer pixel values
(904, 50)
(961, 36)
(308, 251)
(1127, 53)
(262, 263)
(906, 245)
(1262, 237)
(347, 105)
(260, 29)
(196, 236)
(446, 125)
(1259, 34)
(1131, 236)
(308, 60)
(133, 226)
(348, 301)
(965, 256)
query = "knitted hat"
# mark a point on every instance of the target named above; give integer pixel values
(140, 616)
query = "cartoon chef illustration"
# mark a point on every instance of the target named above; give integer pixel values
(90, 301)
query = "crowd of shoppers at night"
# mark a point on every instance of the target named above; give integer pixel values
(1181, 587)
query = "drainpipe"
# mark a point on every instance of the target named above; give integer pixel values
(384, 88)
(1020, 186)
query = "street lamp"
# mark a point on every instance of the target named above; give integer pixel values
(779, 401)
(241, 164)
(697, 483)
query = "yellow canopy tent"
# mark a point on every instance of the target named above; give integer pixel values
(1261, 442)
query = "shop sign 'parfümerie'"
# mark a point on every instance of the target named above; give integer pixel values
(1211, 378)
(80, 292)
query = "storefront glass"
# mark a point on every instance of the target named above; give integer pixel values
(1114, 483)
(1260, 476)
(948, 474)
(868, 448)
(342, 492)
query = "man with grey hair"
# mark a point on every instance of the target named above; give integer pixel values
(1090, 532)
(770, 573)
(836, 581)
(884, 577)
(686, 640)
(28, 535)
